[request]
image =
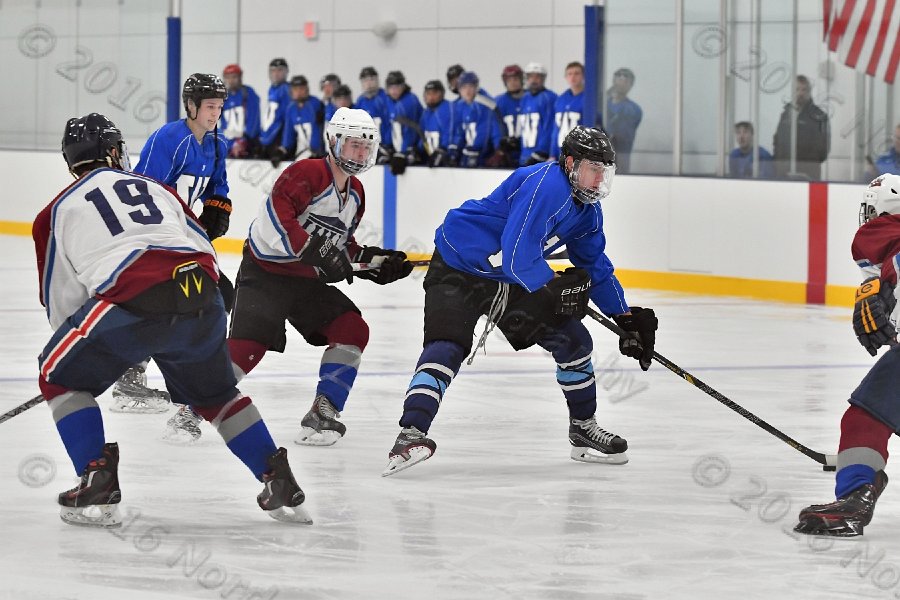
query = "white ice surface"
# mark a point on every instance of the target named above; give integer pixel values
(500, 511)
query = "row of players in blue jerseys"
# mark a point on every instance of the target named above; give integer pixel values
(522, 126)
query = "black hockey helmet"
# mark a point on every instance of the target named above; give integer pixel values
(435, 85)
(330, 78)
(395, 78)
(91, 139)
(454, 71)
(342, 91)
(201, 86)
(278, 62)
(368, 72)
(594, 163)
(298, 80)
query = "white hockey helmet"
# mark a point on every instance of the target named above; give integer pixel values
(352, 124)
(536, 67)
(882, 196)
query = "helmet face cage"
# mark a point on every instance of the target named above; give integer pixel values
(91, 139)
(343, 127)
(591, 151)
(584, 171)
(199, 87)
(882, 196)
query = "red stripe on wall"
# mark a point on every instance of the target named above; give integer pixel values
(817, 265)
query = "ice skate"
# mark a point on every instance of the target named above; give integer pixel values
(183, 427)
(94, 501)
(282, 497)
(131, 394)
(845, 517)
(411, 447)
(593, 444)
(320, 426)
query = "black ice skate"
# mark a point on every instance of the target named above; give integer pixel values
(131, 394)
(184, 426)
(320, 426)
(282, 497)
(411, 447)
(94, 501)
(591, 443)
(845, 517)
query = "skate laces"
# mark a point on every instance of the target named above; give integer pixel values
(412, 433)
(596, 432)
(326, 408)
(498, 306)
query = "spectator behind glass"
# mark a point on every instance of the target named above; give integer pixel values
(622, 118)
(813, 136)
(740, 161)
(886, 163)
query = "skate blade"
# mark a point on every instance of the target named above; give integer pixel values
(310, 437)
(398, 463)
(820, 527)
(96, 515)
(291, 514)
(589, 456)
(136, 406)
(179, 437)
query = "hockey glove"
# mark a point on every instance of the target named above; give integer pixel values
(570, 290)
(384, 155)
(216, 215)
(536, 157)
(398, 163)
(469, 159)
(641, 324)
(872, 314)
(331, 261)
(438, 158)
(276, 155)
(394, 267)
(510, 145)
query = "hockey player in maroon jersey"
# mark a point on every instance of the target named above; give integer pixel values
(300, 243)
(874, 412)
(127, 271)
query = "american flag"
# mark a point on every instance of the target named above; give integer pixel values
(865, 34)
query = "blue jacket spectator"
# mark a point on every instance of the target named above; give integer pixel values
(622, 118)
(239, 123)
(740, 161)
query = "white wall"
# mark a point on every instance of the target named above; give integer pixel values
(734, 228)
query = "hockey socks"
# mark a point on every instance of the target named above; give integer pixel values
(438, 365)
(571, 346)
(862, 451)
(245, 355)
(245, 433)
(347, 337)
(80, 426)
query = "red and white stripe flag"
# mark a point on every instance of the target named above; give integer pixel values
(865, 34)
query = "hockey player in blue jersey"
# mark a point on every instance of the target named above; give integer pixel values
(623, 115)
(303, 122)
(537, 116)
(436, 124)
(327, 85)
(509, 110)
(374, 100)
(279, 99)
(490, 259)
(404, 112)
(568, 111)
(474, 124)
(240, 115)
(189, 156)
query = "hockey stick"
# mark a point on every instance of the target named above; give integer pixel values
(828, 461)
(21, 408)
(376, 264)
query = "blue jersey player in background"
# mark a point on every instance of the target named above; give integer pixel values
(240, 115)
(404, 112)
(474, 124)
(568, 111)
(374, 100)
(279, 99)
(490, 259)
(537, 116)
(303, 123)
(436, 124)
(509, 110)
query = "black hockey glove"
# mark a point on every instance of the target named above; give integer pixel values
(394, 267)
(398, 163)
(641, 324)
(872, 314)
(536, 157)
(384, 155)
(469, 159)
(331, 261)
(510, 145)
(216, 215)
(570, 290)
(438, 158)
(276, 155)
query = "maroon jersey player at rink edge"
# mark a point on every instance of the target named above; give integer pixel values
(126, 272)
(302, 241)
(874, 412)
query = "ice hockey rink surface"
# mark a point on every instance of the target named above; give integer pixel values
(704, 509)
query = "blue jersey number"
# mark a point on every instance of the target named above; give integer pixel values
(127, 195)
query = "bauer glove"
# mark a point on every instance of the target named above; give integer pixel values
(393, 267)
(641, 326)
(570, 291)
(216, 215)
(872, 314)
(331, 261)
